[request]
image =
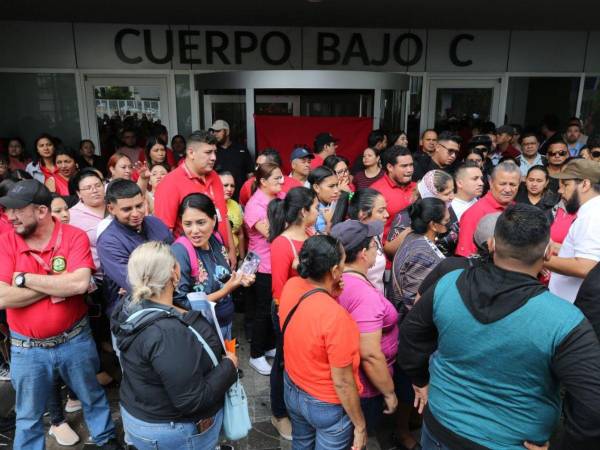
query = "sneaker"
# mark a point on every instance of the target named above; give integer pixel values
(64, 434)
(72, 406)
(283, 427)
(260, 365)
(271, 353)
(4, 372)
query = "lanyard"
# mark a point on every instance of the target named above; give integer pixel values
(361, 275)
(434, 247)
(39, 259)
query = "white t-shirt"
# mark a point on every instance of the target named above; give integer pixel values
(582, 241)
(375, 273)
(459, 206)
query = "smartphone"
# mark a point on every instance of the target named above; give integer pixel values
(250, 264)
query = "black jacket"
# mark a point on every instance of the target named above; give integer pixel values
(490, 294)
(167, 375)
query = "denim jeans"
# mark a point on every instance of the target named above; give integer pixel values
(33, 373)
(316, 425)
(278, 408)
(55, 402)
(170, 435)
(226, 331)
(429, 442)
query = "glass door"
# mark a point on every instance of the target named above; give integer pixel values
(118, 103)
(452, 102)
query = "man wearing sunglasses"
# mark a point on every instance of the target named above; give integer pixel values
(557, 157)
(580, 251)
(445, 154)
(594, 148)
(504, 149)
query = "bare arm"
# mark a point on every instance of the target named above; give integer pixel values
(262, 226)
(374, 364)
(345, 387)
(391, 247)
(572, 267)
(64, 285)
(231, 250)
(14, 297)
(242, 243)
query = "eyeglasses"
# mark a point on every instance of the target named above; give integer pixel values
(596, 154)
(449, 150)
(561, 153)
(96, 187)
(339, 173)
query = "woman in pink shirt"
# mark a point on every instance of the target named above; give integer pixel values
(268, 183)
(376, 317)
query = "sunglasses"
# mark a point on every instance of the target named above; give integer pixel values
(451, 151)
(561, 153)
(596, 154)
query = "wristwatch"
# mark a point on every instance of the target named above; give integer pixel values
(20, 280)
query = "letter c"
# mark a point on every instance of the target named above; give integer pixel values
(119, 46)
(453, 48)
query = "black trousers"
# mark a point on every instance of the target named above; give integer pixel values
(263, 338)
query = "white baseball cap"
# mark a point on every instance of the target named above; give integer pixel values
(219, 125)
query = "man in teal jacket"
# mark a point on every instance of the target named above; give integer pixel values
(502, 345)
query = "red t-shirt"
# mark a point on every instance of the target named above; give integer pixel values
(282, 259)
(320, 335)
(61, 185)
(44, 318)
(5, 225)
(246, 190)
(181, 182)
(397, 197)
(561, 225)
(317, 161)
(469, 221)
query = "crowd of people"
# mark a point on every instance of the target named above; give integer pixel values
(451, 287)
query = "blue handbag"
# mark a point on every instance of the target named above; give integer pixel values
(236, 418)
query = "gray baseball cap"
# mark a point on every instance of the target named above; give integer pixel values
(351, 233)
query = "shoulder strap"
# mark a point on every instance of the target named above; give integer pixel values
(293, 310)
(207, 348)
(292, 245)
(191, 253)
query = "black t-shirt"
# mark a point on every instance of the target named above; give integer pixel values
(587, 298)
(236, 159)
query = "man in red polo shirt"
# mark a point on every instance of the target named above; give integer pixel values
(45, 270)
(396, 185)
(325, 145)
(504, 185)
(195, 175)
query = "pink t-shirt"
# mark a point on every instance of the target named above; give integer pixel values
(254, 212)
(560, 226)
(371, 311)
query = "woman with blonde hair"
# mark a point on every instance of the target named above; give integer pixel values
(172, 392)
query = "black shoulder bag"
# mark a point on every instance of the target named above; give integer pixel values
(289, 316)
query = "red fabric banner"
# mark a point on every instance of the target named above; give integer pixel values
(285, 132)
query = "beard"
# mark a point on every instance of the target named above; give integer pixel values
(26, 230)
(572, 205)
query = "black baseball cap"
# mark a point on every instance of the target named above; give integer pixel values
(351, 233)
(26, 192)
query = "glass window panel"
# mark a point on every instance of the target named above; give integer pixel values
(35, 103)
(183, 104)
(454, 105)
(529, 100)
(124, 106)
(590, 106)
(413, 121)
